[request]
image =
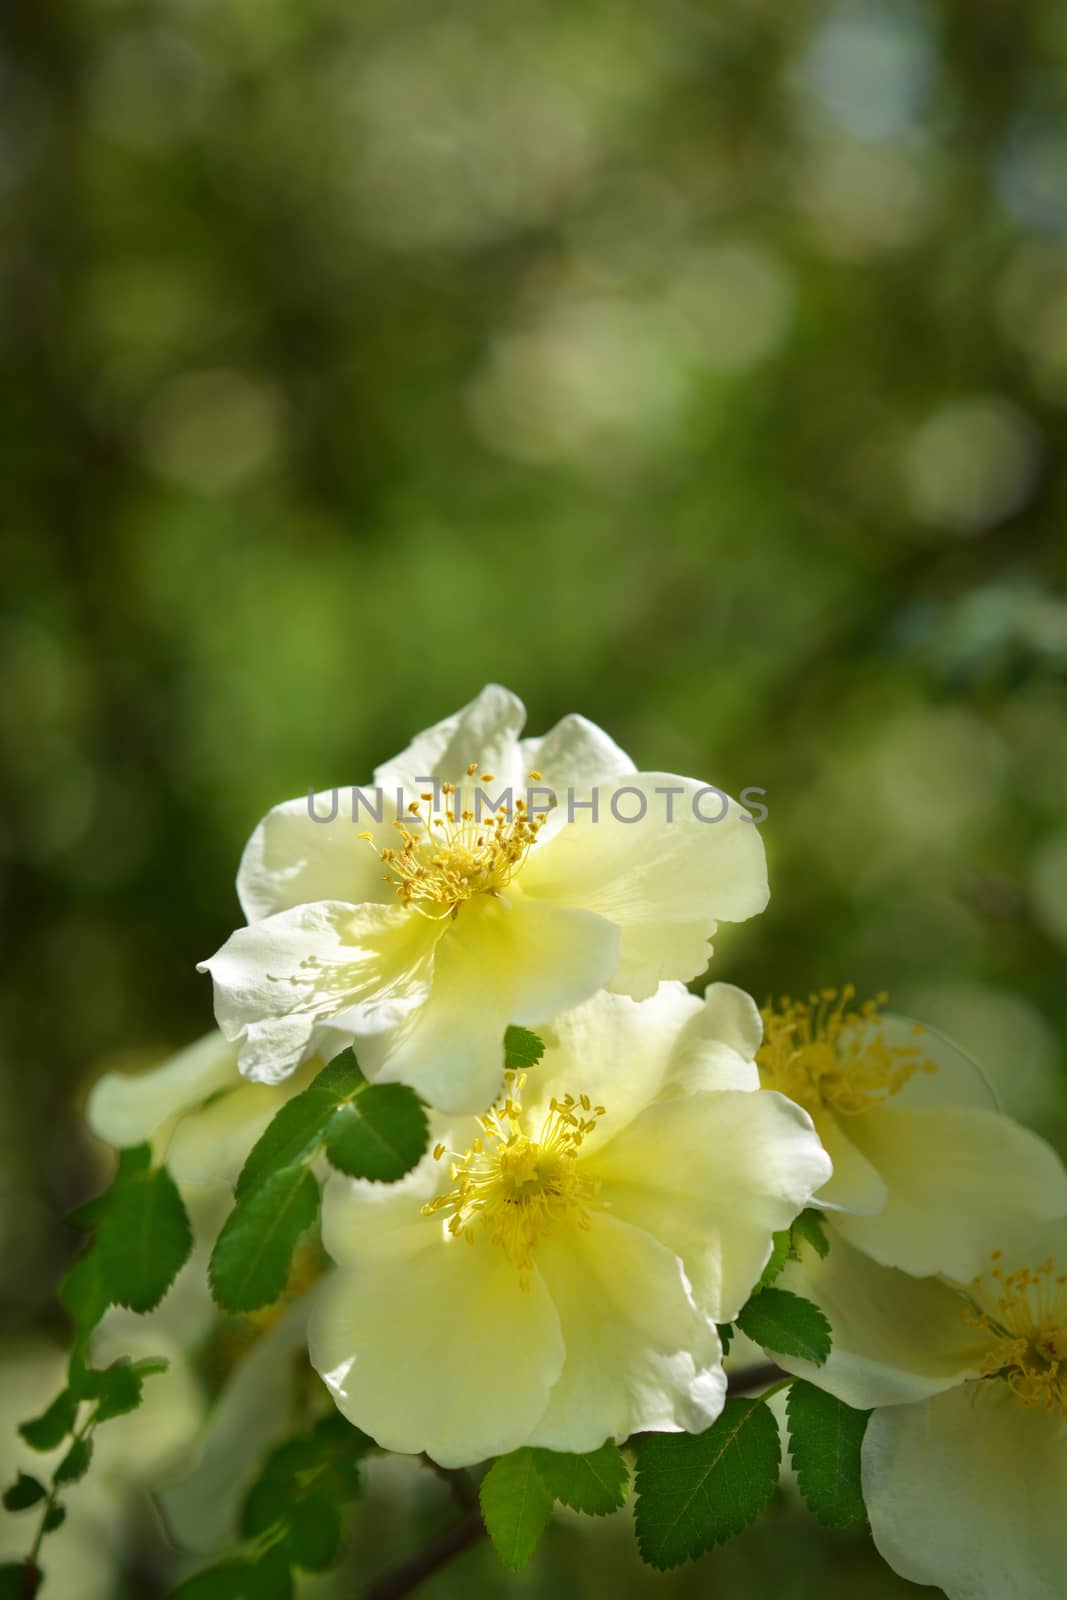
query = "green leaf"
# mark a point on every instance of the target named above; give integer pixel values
(54, 1517)
(53, 1425)
(299, 1128)
(825, 1437)
(24, 1493)
(726, 1336)
(250, 1262)
(151, 1366)
(133, 1158)
(75, 1464)
(242, 1578)
(230, 1580)
(808, 1226)
(316, 1535)
(595, 1483)
(270, 1498)
(695, 1490)
(516, 1505)
(88, 1214)
(144, 1239)
(342, 1445)
(271, 1577)
(380, 1136)
(521, 1049)
(118, 1389)
(19, 1580)
(300, 1487)
(83, 1294)
(781, 1249)
(780, 1320)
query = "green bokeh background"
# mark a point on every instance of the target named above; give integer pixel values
(700, 367)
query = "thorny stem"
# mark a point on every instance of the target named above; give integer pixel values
(470, 1528)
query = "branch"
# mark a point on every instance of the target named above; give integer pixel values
(459, 1483)
(403, 1579)
(753, 1378)
(411, 1573)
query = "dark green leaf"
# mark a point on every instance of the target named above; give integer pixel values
(83, 1294)
(342, 1445)
(299, 1128)
(271, 1496)
(250, 1261)
(780, 1252)
(381, 1135)
(54, 1517)
(53, 1425)
(133, 1159)
(780, 1320)
(143, 1240)
(341, 1077)
(595, 1483)
(23, 1493)
(231, 1580)
(151, 1366)
(726, 1335)
(825, 1437)
(315, 1533)
(118, 1388)
(242, 1578)
(272, 1579)
(75, 1464)
(521, 1048)
(88, 1214)
(19, 1580)
(694, 1490)
(299, 1490)
(516, 1505)
(808, 1226)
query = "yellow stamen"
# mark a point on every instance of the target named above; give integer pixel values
(825, 1054)
(449, 854)
(515, 1189)
(1027, 1330)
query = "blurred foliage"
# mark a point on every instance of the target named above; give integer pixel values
(700, 367)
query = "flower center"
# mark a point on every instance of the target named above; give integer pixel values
(517, 1188)
(1028, 1332)
(825, 1054)
(450, 852)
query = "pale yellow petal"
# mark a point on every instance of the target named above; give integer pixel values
(666, 883)
(128, 1108)
(503, 959)
(712, 1176)
(639, 1355)
(310, 849)
(443, 1351)
(485, 731)
(575, 754)
(895, 1338)
(856, 1185)
(957, 1178)
(299, 984)
(967, 1491)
